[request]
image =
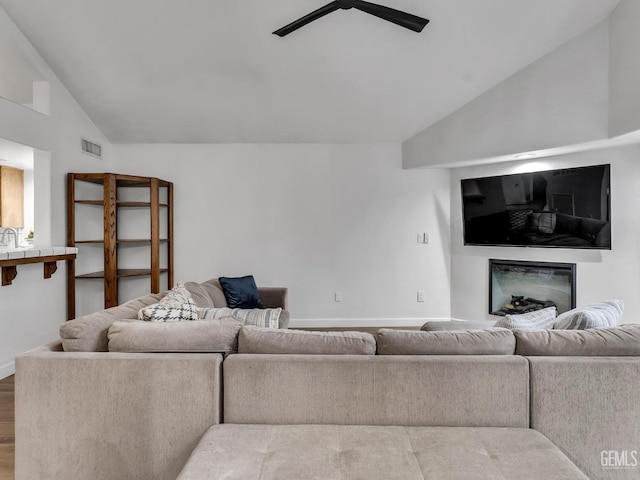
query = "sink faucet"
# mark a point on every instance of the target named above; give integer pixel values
(15, 236)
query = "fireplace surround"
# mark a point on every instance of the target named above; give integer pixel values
(517, 287)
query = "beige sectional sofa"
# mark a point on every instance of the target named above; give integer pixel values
(348, 405)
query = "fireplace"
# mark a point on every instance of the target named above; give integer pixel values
(517, 287)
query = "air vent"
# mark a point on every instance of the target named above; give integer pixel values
(91, 148)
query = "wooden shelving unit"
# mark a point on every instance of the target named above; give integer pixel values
(112, 272)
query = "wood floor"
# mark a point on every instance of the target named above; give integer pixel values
(7, 435)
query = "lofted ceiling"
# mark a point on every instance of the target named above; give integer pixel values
(209, 71)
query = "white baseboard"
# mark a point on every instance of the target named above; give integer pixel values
(359, 322)
(7, 370)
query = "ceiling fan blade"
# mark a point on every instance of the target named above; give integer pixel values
(301, 22)
(406, 20)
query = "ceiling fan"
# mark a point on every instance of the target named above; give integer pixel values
(406, 20)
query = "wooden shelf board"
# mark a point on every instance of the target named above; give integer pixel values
(130, 203)
(140, 240)
(119, 203)
(133, 240)
(122, 241)
(123, 272)
(121, 180)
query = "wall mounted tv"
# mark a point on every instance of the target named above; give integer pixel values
(568, 208)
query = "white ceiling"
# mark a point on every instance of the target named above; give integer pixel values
(205, 71)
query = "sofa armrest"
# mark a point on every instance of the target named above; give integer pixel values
(103, 415)
(588, 407)
(274, 297)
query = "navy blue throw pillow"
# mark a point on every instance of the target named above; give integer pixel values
(241, 292)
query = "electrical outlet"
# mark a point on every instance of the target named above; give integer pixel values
(337, 296)
(421, 296)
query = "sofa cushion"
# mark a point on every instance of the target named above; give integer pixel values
(212, 336)
(214, 289)
(294, 452)
(267, 340)
(622, 340)
(439, 325)
(259, 317)
(536, 320)
(89, 332)
(241, 292)
(595, 315)
(199, 294)
(471, 342)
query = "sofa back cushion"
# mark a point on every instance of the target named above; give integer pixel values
(199, 294)
(215, 292)
(616, 341)
(470, 342)
(461, 390)
(267, 340)
(89, 332)
(198, 336)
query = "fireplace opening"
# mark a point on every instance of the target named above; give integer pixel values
(517, 287)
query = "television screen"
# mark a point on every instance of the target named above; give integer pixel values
(567, 208)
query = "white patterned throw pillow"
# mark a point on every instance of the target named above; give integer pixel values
(595, 315)
(259, 317)
(542, 319)
(177, 305)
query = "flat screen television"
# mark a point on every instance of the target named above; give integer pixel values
(568, 208)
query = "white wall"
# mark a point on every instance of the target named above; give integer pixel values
(624, 74)
(601, 274)
(32, 309)
(316, 218)
(560, 99)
